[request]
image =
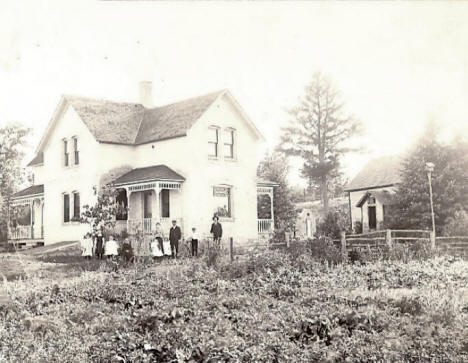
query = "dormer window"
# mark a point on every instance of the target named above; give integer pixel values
(76, 152)
(65, 153)
(229, 144)
(213, 134)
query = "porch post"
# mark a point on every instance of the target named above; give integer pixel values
(156, 207)
(42, 218)
(31, 215)
(271, 208)
(128, 193)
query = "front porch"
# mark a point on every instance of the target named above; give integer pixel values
(149, 196)
(265, 212)
(26, 225)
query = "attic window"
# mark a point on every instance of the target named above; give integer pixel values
(65, 153)
(75, 149)
(229, 144)
(213, 141)
(371, 200)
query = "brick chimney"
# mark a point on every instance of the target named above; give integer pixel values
(146, 94)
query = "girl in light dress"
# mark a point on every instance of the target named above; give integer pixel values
(87, 246)
(111, 247)
(157, 242)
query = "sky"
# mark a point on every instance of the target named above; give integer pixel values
(397, 64)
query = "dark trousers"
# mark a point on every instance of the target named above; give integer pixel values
(174, 248)
(194, 247)
(217, 240)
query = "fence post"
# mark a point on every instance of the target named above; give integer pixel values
(388, 239)
(343, 242)
(231, 249)
(433, 240)
(286, 236)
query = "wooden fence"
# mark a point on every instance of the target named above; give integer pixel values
(387, 239)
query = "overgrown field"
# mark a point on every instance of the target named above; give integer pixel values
(277, 306)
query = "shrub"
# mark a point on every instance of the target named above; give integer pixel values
(323, 249)
(334, 222)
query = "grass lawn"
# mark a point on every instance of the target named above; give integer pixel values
(274, 307)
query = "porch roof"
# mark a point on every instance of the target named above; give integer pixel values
(150, 173)
(30, 191)
(267, 183)
(383, 196)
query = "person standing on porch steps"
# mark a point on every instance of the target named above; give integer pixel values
(174, 237)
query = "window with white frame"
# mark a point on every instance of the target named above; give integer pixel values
(76, 206)
(213, 136)
(222, 201)
(65, 153)
(76, 152)
(229, 144)
(66, 208)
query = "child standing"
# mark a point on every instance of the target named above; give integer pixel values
(156, 250)
(87, 246)
(194, 239)
(100, 241)
(111, 247)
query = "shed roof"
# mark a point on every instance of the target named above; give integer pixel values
(32, 190)
(156, 172)
(380, 172)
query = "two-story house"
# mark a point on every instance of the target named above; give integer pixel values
(184, 161)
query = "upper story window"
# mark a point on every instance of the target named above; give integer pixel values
(213, 138)
(371, 200)
(229, 144)
(66, 160)
(76, 152)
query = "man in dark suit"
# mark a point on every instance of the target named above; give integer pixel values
(174, 237)
(216, 230)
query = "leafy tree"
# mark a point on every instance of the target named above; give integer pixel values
(274, 167)
(334, 222)
(102, 214)
(12, 142)
(411, 207)
(319, 133)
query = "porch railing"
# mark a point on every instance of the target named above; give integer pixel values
(21, 232)
(265, 225)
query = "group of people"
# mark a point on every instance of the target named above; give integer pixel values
(95, 243)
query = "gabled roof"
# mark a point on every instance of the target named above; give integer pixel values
(32, 190)
(380, 172)
(133, 124)
(38, 159)
(383, 196)
(157, 172)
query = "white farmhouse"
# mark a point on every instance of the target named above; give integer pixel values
(370, 192)
(184, 161)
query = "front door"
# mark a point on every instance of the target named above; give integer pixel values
(372, 218)
(147, 205)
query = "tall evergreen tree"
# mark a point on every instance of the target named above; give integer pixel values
(318, 133)
(449, 184)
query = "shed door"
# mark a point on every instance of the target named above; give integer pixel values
(372, 218)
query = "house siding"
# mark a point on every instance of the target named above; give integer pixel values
(58, 179)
